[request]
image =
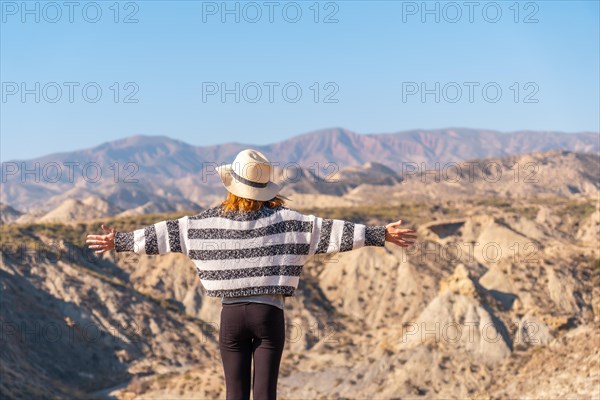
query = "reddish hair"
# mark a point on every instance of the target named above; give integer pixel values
(237, 203)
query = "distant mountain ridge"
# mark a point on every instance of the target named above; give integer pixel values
(334, 145)
(141, 170)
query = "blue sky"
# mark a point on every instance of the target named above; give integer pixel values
(164, 74)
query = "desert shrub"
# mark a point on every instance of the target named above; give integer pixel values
(577, 211)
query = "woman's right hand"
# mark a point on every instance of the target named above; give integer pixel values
(102, 242)
(397, 236)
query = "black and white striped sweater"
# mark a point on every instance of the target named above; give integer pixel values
(250, 252)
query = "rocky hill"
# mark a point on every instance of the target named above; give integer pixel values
(8, 214)
(488, 299)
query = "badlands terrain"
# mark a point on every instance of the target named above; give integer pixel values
(499, 298)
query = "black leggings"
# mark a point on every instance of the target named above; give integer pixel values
(249, 329)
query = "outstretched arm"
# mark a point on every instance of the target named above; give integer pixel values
(334, 235)
(159, 238)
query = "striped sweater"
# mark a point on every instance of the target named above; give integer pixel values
(251, 252)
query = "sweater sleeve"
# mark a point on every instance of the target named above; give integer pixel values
(159, 238)
(334, 235)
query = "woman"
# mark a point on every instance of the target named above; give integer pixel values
(250, 251)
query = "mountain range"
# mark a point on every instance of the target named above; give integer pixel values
(160, 174)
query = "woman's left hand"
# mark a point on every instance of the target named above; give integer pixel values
(397, 236)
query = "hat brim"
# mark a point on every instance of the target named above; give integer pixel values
(249, 192)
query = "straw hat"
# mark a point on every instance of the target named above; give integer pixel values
(250, 176)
